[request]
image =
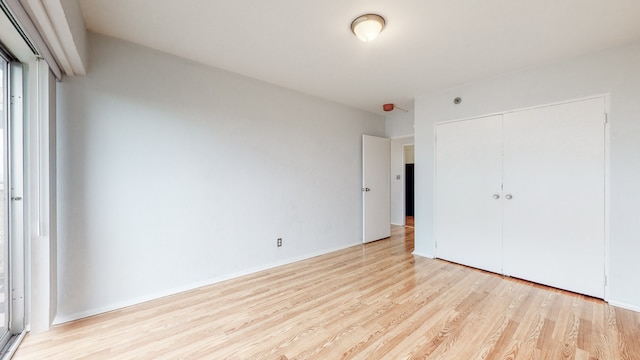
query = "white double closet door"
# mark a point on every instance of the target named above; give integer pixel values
(523, 194)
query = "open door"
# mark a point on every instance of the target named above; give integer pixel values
(376, 188)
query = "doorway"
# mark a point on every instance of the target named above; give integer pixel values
(409, 195)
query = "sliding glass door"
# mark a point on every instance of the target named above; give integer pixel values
(11, 204)
(4, 206)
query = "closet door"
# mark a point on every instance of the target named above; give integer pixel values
(468, 198)
(553, 209)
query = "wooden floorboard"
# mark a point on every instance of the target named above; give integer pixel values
(372, 301)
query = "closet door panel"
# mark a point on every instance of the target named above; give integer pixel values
(468, 177)
(553, 223)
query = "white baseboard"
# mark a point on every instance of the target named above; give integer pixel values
(428, 256)
(624, 305)
(60, 319)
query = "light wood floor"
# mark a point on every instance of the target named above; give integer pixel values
(409, 221)
(374, 301)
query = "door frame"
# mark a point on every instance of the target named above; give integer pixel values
(404, 184)
(607, 155)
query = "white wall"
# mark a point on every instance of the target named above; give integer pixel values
(616, 72)
(172, 175)
(398, 185)
(399, 123)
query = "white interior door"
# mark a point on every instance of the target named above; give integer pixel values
(376, 188)
(468, 191)
(554, 216)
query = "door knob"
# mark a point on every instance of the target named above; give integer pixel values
(496, 196)
(508, 196)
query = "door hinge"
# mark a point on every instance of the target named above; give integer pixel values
(606, 118)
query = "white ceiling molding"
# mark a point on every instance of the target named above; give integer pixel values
(54, 21)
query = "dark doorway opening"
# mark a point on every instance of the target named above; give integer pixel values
(408, 186)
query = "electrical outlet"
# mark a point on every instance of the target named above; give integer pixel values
(279, 242)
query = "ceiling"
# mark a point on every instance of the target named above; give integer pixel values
(427, 45)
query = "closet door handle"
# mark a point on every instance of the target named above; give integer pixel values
(496, 196)
(508, 196)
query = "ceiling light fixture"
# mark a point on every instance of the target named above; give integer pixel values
(367, 27)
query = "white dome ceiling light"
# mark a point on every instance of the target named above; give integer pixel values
(367, 27)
